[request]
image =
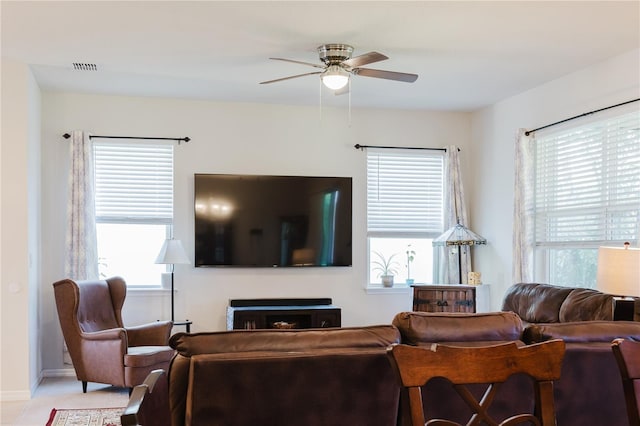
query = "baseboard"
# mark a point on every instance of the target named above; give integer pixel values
(26, 395)
(59, 372)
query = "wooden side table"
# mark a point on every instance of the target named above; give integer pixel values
(451, 298)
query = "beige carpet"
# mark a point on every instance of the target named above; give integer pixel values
(85, 417)
(60, 393)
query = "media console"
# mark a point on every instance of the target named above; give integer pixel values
(252, 314)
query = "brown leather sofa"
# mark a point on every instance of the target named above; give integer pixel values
(544, 303)
(318, 377)
(589, 391)
(440, 399)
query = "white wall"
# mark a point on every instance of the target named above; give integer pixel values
(19, 231)
(259, 139)
(235, 138)
(493, 140)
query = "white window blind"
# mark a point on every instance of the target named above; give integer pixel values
(588, 183)
(404, 192)
(134, 182)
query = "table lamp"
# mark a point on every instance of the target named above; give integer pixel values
(619, 274)
(172, 253)
(619, 270)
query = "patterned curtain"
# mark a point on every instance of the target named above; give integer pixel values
(81, 256)
(454, 212)
(523, 209)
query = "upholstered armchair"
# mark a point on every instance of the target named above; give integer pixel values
(102, 349)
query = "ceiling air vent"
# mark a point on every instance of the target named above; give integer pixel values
(81, 66)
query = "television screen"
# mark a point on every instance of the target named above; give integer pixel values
(272, 221)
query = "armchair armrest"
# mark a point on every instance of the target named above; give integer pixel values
(149, 402)
(103, 354)
(110, 334)
(152, 334)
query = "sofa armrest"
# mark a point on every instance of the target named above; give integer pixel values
(152, 334)
(582, 331)
(148, 403)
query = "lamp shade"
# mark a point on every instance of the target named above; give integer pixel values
(458, 235)
(335, 77)
(172, 253)
(619, 271)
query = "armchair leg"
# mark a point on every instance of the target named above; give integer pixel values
(84, 387)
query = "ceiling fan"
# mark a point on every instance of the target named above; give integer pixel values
(339, 66)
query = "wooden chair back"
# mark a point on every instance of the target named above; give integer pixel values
(627, 353)
(490, 365)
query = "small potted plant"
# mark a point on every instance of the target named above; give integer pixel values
(411, 254)
(386, 268)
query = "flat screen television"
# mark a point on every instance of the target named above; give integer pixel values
(272, 221)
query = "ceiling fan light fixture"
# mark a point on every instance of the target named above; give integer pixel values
(335, 77)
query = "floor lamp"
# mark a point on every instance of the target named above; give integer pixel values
(172, 253)
(456, 237)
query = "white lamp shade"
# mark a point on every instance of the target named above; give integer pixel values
(619, 271)
(335, 77)
(172, 253)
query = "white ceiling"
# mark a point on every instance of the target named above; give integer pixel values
(468, 54)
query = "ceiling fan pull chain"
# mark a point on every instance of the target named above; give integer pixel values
(349, 103)
(320, 88)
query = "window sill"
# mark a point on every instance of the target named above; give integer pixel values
(396, 289)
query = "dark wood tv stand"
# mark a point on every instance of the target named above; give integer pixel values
(251, 314)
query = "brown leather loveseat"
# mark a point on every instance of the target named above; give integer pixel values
(312, 377)
(544, 303)
(589, 391)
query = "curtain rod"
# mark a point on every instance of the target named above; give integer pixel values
(185, 139)
(528, 132)
(358, 146)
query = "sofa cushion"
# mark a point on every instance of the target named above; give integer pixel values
(377, 336)
(583, 304)
(535, 302)
(582, 332)
(427, 327)
(144, 356)
(341, 388)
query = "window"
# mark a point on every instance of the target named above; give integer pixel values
(404, 212)
(134, 209)
(587, 195)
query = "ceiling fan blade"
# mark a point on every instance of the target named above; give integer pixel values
(388, 75)
(289, 78)
(298, 62)
(364, 59)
